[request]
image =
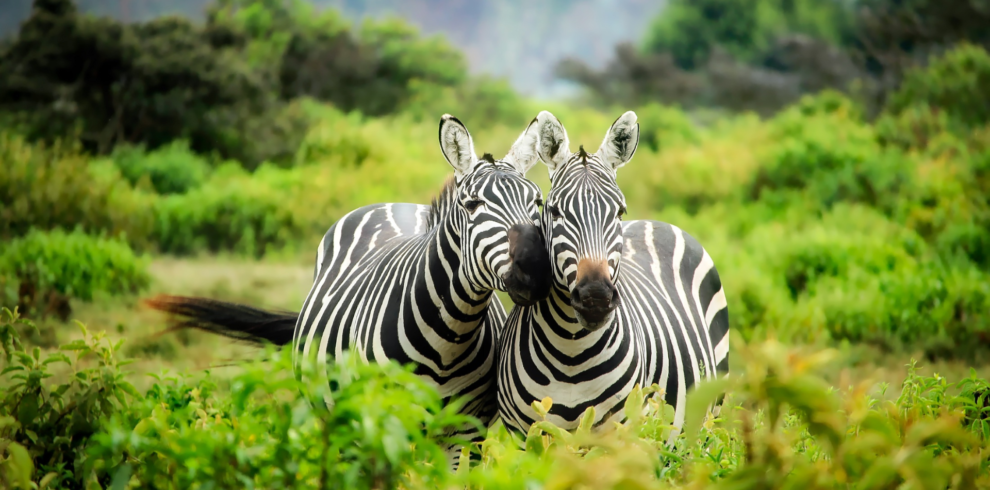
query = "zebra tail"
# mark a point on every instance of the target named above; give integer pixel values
(231, 320)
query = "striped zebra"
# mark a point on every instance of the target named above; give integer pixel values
(634, 302)
(413, 283)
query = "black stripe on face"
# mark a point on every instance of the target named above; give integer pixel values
(507, 199)
(582, 217)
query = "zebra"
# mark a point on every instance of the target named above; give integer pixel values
(632, 303)
(413, 283)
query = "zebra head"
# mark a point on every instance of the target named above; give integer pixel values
(498, 208)
(582, 219)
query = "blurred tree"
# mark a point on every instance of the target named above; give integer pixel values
(894, 35)
(142, 83)
(633, 78)
(320, 55)
(224, 86)
(746, 29)
(764, 54)
(757, 55)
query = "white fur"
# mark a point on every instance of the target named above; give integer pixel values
(620, 141)
(523, 154)
(457, 146)
(553, 146)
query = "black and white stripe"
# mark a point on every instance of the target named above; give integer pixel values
(413, 283)
(636, 302)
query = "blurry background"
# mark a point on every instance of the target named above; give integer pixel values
(832, 155)
(515, 39)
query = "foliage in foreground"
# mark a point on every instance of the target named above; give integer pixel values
(783, 426)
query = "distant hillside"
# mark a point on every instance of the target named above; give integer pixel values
(518, 39)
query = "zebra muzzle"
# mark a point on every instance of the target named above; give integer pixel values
(528, 278)
(595, 297)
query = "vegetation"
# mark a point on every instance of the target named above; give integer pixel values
(226, 87)
(782, 427)
(841, 222)
(764, 55)
(50, 268)
(824, 225)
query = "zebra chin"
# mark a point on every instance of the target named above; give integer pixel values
(594, 322)
(526, 289)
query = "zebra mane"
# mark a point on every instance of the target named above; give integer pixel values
(449, 188)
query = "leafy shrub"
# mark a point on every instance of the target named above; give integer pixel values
(382, 431)
(782, 425)
(956, 84)
(46, 426)
(51, 187)
(662, 127)
(75, 264)
(386, 426)
(830, 102)
(484, 101)
(832, 159)
(234, 211)
(171, 169)
(336, 137)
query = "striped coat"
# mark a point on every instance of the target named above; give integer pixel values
(632, 303)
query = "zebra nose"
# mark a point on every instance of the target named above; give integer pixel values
(594, 300)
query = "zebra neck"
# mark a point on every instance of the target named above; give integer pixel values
(444, 293)
(557, 318)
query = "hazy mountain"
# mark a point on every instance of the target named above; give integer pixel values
(517, 39)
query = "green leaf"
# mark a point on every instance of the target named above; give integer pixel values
(20, 465)
(43, 484)
(587, 421)
(10, 369)
(698, 401)
(634, 405)
(554, 431)
(56, 357)
(27, 410)
(534, 441)
(75, 345)
(121, 477)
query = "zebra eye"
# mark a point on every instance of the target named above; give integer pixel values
(554, 212)
(538, 202)
(622, 211)
(473, 205)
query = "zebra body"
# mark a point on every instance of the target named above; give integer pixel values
(633, 303)
(414, 284)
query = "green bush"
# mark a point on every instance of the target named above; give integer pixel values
(170, 169)
(690, 30)
(956, 83)
(662, 127)
(482, 102)
(385, 429)
(74, 264)
(51, 187)
(830, 159)
(233, 211)
(45, 426)
(337, 137)
(782, 426)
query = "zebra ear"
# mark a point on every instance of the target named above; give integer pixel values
(523, 153)
(621, 141)
(553, 146)
(457, 146)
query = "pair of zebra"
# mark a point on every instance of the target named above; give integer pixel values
(601, 305)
